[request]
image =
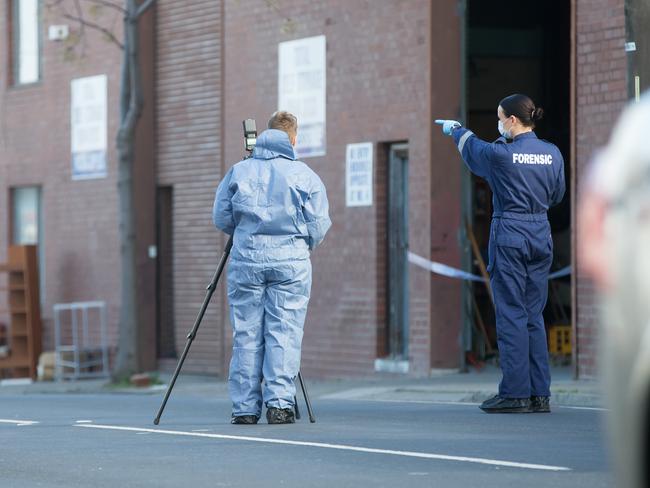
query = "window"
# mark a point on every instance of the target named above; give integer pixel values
(26, 223)
(26, 41)
(25, 215)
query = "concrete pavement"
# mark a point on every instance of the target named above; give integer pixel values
(442, 386)
(107, 440)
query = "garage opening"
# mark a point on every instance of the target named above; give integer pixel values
(520, 47)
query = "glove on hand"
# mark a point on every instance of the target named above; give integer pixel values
(448, 125)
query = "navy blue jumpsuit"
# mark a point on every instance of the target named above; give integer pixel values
(526, 177)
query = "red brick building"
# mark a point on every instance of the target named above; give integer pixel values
(600, 84)
(76, 219)
(390, 68)
(605, 76)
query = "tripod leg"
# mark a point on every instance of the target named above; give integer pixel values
(190, 337)
(312, 419)
(295, 408)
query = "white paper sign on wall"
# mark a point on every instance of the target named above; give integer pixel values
(358, 174)
(88, 126)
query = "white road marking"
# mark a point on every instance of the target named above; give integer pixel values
(342, 447)
(84, 422)
(19, 423)
(596, 409)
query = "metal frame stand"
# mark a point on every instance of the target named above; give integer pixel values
(82, 343)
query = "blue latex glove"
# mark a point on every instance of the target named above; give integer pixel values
(448, 125)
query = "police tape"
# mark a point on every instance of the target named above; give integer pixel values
(448, 271)
(442, 269)
(566, 271)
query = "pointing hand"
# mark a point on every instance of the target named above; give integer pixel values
(448, 125)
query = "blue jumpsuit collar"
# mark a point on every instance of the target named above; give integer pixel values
(526, 135)
(273, 143)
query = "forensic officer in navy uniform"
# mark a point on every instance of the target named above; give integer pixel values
(526, 175)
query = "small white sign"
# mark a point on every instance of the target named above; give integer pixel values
(358, 174)
(301, 91)
(58, 32)
(88, 126)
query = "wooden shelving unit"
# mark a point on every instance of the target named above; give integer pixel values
(24, 310)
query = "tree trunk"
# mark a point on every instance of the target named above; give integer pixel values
(130, 109)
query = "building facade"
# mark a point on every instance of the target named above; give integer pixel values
(74, 221)
(380, 71)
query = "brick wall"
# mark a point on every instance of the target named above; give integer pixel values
(382, 86)
(445, 203)
(379, 89)
(79, 217)
(189, 103)
(601, 92)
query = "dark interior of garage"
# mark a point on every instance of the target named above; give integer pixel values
(519, 47)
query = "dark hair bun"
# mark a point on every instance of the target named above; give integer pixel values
(522, 107)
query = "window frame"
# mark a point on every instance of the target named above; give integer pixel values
(40, 229)
(13, 32)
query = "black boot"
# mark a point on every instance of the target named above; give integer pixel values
(540, 404)
(280, 415)
(498, 404)
(244, 419)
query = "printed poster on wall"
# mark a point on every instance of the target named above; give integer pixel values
(301, 91)
(358, 174)
(88, 127)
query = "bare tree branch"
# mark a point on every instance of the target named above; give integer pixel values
(80, 19)
(111, 37)
(143, 8)
(289, 24)
(82, 30)
(112, 26)
(56, 5)
(77, 6)
(109, 4)
(53, 4)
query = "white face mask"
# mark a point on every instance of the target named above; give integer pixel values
(502, 131)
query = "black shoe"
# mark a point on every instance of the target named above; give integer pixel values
(244, 419)
(540, 404)
(499, 404)
(490, 401)
(280, 415)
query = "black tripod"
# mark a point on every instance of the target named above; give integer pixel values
(190, 337)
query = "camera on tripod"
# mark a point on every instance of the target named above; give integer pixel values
(250, 134)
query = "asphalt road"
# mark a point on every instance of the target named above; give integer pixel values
(109, 440)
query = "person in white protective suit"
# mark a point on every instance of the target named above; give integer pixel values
(614, 249)
(276, 209)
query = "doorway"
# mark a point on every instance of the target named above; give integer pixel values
(166, 346)
(522, 47)
(398, 293)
